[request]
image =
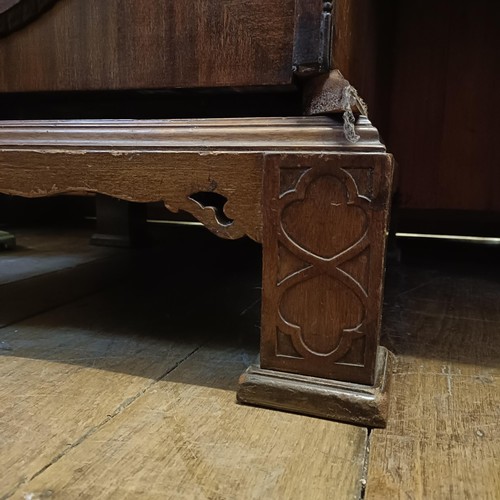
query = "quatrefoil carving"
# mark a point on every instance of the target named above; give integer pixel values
(323, 224)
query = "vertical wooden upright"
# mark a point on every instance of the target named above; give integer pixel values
(325, 221)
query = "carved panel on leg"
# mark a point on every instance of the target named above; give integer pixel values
(325, 220)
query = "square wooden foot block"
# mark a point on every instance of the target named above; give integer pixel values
(344, 401)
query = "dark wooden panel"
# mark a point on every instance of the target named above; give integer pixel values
(443, 124)
(429, 72)
(93, 44)
(324, 222)
(362, 51)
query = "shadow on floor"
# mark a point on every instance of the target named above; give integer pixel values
(197, 290)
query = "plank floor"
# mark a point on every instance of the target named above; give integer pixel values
(442, 320)
(118, 375)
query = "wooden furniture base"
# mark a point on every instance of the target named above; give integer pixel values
(319, 397)
(318, 203)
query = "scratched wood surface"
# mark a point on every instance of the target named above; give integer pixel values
(187, 438)
(166, 160)
(127, 393)
(443, 434)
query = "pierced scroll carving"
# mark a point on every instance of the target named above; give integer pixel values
(322, 251)
(215, 202)
(220, 213)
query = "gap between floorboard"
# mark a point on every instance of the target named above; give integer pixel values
(119, 409)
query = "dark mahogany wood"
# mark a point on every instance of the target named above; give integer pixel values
(445, 187)
(155, 44)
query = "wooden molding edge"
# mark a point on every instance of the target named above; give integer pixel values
(347, 402)
(213, 156)
(317, 133)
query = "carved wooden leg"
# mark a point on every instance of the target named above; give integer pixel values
(325, 223)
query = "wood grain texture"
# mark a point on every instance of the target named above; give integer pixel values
(344, 402)
(125, 44)
(443, 433)
(166, 160)
(446, 150)
(146, 177)
(325, 225)
(362, 50)
(296, 133)
(319, 319)
(63, 377)
(186, 440)
(455, 453)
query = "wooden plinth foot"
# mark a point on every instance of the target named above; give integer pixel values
(344, 401)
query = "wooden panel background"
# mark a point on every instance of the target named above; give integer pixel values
(430, 73)
(120, 44)
(444, 93)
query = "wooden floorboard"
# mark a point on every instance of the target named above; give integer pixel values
(68, 372)
(443, 435)
(186, 438)
(45, 250)
(130, 392)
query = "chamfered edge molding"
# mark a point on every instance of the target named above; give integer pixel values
(318, 133)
